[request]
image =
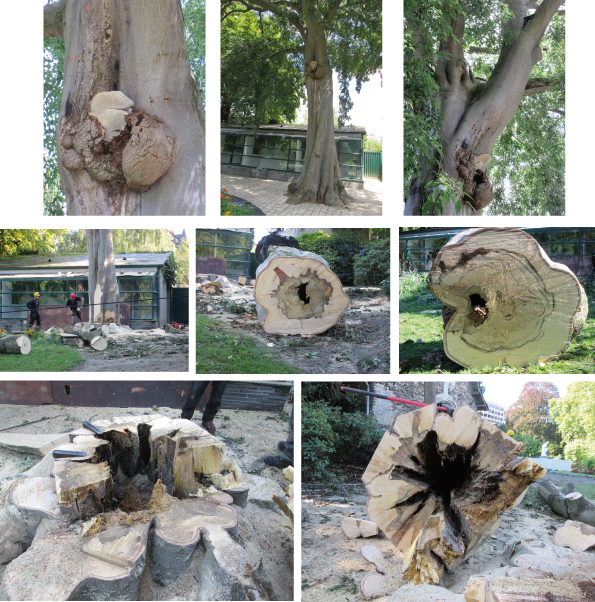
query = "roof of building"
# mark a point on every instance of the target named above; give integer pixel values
(28, 262)
(280, 129)
(480, 402)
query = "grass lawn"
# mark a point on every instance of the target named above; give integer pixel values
(424, 357)
(219, 350)
(47, 355)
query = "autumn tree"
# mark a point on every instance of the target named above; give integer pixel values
(530, 415)
(124, 113)
(484, 106)
(574, 414)
(345, 35)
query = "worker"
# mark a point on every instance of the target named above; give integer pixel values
(285, 459)
(213, 405)
(33, 307)
(73, 306)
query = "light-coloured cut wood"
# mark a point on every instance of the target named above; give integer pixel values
(297, 293)
(575, 535)
(15, 344)
(438, 485)
(508, 302)
(353, 528)
(35, 498)
(37, 444)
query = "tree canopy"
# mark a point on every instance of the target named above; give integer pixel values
(528, 159)
(575, 416)
(124, 241)
(530, 415)
(29, 242)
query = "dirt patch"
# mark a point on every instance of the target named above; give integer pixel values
(138, 351)
(358, 344)
(332, 567)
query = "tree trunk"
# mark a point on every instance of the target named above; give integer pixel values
(15, 344)
(475, 114)
(139, 49)
(438, 485)
(320, 180)
(103, 284)
(573, 506)
(92, 338)
(297, 293)
(512, 304)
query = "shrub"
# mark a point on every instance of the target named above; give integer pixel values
(589, 463)
(532, 445)
(374, 266)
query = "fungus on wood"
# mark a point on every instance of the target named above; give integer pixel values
(297, 293)
(505, 301)
(438, 485)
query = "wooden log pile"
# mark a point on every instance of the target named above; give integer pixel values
(297, 293)
(92, 335)
(438, 486)
(505, 301)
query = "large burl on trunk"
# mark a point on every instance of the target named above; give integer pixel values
(131, 128)
(438, 485)
(297, 293)
(507, 302)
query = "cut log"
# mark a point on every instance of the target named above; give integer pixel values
(573, 506)
(376, 557)
(37, 445)
(354, 528)
(121, 546)
(372, 586)
(92, 337)
(511, 304)
(15, 344)
(575, 535)
(297, 293)
(438, 485)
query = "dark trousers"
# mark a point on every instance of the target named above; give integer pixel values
(288, 449)
(212, 407)
(76, 314)
(35, 317)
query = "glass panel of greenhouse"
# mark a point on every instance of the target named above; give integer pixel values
(417, 250)
(233, 246)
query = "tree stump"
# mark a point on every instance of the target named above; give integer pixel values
(510, 303)
(15, 344)
(297, 293)
(578, 536)
(438, 485)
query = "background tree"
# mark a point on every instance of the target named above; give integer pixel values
(29, 242)
(104, 292)
(480, 92)
(124, 241)
(575, 416)
(139, 49)
(530, 415)
(344, 34)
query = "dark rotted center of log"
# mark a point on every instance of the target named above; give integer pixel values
(479, 311)
(302, 293)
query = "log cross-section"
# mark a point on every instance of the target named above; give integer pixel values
(15, 344)
(438, 485)
(505, 301)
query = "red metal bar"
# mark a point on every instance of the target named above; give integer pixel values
(408, 402)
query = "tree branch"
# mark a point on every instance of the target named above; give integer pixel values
(541, 18)
(294, 50)
(277, 9)
(53, 20)
(537, 85)
(481, 50)
(333, 11)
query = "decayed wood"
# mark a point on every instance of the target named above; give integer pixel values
(575, 535)
(207, 451)
(297, 293)
(511, 304)
(573, 506)
(15, 344)
(183, 472)
(438, 485)
(353, 528)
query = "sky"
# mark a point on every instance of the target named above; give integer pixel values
(505, 391)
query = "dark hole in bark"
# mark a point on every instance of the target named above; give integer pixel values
(124, 450)
(144, 448)
(302, 294)
(476, 299)
(117, 65)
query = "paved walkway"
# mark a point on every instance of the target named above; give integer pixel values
(271, 197)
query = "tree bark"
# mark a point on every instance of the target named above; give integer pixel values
(15, 344)
(512, 304)
(139, 49)
(573, 506)
(297, 293)
(103, 284)
(92, 338)
(474, 113)
(320, 179)
(438, 485)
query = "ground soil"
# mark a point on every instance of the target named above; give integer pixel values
(138, 351)
(332, 567)
(249, 436)
(358, 344)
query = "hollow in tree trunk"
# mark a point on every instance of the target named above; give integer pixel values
(476, 113)
(104, 293)
(152, 163)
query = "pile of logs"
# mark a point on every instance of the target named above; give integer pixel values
(438, 486)
(103, 559)
(297, 293)
(505, 301)
(81, 335)
(15, 344)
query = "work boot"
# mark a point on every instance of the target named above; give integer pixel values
(277, 461)
(209, 426)
(281, 445)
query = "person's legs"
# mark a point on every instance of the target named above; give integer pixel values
(214, 403)
(73, 318)
(286, 457)
(79, 315)
(198, 388)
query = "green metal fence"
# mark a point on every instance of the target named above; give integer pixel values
(373, 164)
